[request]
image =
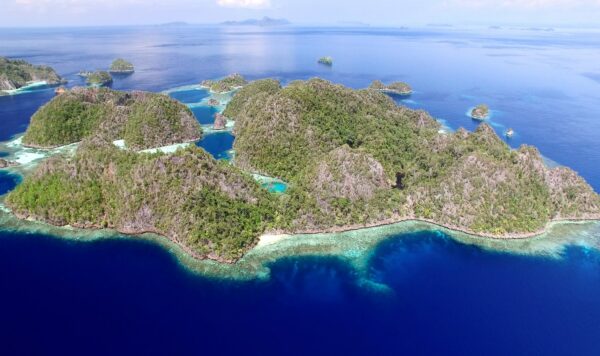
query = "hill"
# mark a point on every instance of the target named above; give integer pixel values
(142, 119)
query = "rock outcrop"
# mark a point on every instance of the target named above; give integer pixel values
(220, 122)
(480, 112)
(5, 164)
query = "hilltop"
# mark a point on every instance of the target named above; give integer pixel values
(142, 119)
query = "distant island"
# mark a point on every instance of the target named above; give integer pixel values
(16, 74)
(399, 88)
(264, 22)
(84, 73)
(120, 65)
(480, 112)
(227, 84)
(328, 61)
(98, 79)
(351, 158)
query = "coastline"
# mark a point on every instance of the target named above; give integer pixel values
(31, 87)
(352, 246)
(272, 237)
(481, 235)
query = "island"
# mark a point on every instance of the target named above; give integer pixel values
(121, 66)
(17, 74)
(84, 73)
(328, 61)
(99, 79)
(224, 85)
(398, 88)
(335, 145)
(480, 112)
(144, 120)
(264, 22)
(220, 122)
(350, 159)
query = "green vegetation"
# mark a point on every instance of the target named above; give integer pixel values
(264, 86)
(351, 158)
(471, 181)
(209, 207)
(226, 84)
(15, 74)
(143, 120)
(120, 65)
(399, 88)
(328, 61)
(480, 112)
(99, 79)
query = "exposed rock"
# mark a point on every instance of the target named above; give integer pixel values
(213, 102)
(5, 164)
(220, 122)
(348, 173)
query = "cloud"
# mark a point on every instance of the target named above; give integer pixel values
(250, 4)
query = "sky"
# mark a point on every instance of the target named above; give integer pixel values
(33, 13)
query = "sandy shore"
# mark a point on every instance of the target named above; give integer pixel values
(274, 236)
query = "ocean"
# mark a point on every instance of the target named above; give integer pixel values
(441, 295)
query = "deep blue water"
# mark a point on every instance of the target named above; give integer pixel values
(205, 114)
(190, 96)
(8, 181)
(448, 299)
(121, 296)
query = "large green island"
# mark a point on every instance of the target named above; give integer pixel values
(352, 159)
(16, 74)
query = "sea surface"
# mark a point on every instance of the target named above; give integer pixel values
(443, 297)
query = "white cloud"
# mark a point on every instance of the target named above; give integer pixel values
(252, 4)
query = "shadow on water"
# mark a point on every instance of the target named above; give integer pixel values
(8, 181)
(217, 144)
(205, 114)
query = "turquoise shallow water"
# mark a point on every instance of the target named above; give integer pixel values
(416, 292)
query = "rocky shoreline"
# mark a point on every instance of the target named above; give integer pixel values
(274, 236)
